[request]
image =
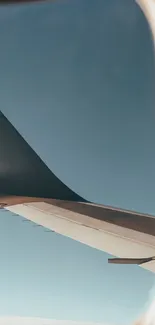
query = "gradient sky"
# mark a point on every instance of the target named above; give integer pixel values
(77, 80)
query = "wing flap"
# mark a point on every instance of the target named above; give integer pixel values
(137, 261)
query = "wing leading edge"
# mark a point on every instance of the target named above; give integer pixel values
(30, 189)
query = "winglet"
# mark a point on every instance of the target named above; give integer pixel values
(23, 173)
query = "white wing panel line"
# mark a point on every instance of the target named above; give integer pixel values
(101, 235)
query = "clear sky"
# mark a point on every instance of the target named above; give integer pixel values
(77, 80)
(38, 321)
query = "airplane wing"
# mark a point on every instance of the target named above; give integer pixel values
(104, 230)
(29, 188)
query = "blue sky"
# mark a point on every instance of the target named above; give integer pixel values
(77, 81)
